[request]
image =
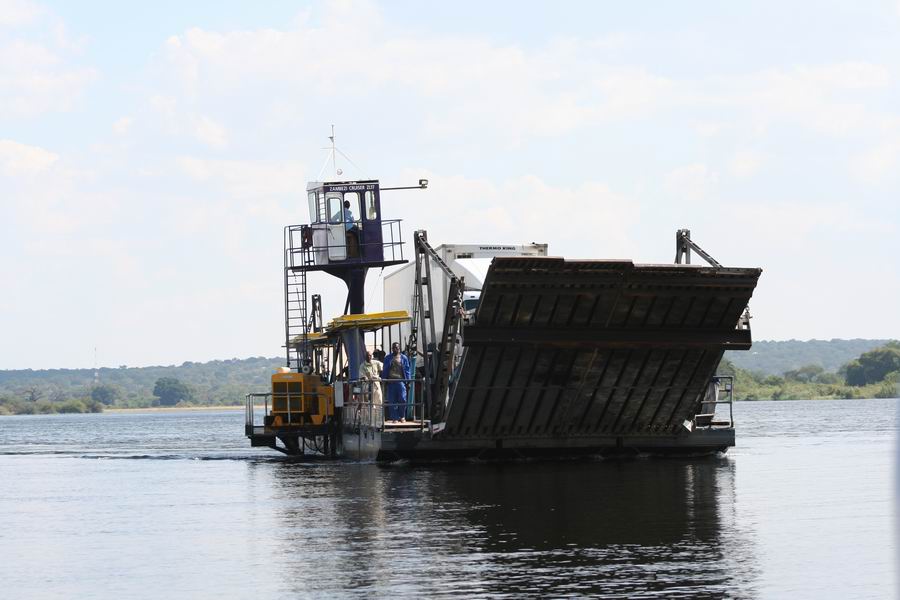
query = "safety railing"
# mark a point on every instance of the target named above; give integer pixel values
(285, 405)
(302, 249)
(363, 409)
(361, 406)
(706, 418)
(251, 403)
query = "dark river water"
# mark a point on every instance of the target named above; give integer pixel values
(175, 505)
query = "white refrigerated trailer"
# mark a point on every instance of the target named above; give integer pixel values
(469, 262)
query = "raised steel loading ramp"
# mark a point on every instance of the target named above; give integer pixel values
(587, 353)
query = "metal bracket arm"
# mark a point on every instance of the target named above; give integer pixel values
(684, 245)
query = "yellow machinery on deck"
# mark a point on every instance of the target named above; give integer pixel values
(299, 399)
(302, 407)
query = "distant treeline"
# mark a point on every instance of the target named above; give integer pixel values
(776, 358)
(807, 371)
(214, 383)
(873, 374)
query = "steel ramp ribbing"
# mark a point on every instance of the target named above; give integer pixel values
(580, 349)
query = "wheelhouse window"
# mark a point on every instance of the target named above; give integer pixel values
(371, 209)
(353, 199)
(313, 208)
(335, 202)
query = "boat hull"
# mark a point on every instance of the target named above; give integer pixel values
(420, 446)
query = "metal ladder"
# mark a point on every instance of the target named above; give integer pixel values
(296, 321)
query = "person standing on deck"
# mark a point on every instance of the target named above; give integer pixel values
(370, 371)
(396, 366)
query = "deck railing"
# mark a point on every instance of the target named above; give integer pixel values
(250, 404)
(280, 404)
(361, 409)
(301, 250)
(706, 418)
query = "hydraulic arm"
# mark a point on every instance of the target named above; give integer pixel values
(437, 352)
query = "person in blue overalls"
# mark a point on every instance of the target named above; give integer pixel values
(396, 366)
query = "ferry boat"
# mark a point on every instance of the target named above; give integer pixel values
(510, 352)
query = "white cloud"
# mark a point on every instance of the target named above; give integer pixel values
(123, 125)
(57, 206)
(469, 83)
(584, 221)
(49, 196)
(800, 223)
(19, 159)
(692, 182)
(847, 75)
(247, 179)
(15, 13)
(708, 129)
(34, 79)
(632, 91)
(745, 163)
(878, 164)
(211, 133)
(116, 254)
(38, 70)
(164, 105)
(795, 228)
(827, 99)
(503, 92)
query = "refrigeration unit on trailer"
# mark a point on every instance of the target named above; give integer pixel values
(469, 262)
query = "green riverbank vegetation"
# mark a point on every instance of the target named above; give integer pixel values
(875, 373)
(213, 383)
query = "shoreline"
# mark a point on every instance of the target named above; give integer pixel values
(173, 409)
(237, 407)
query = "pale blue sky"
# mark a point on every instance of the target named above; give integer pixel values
(151, 152)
